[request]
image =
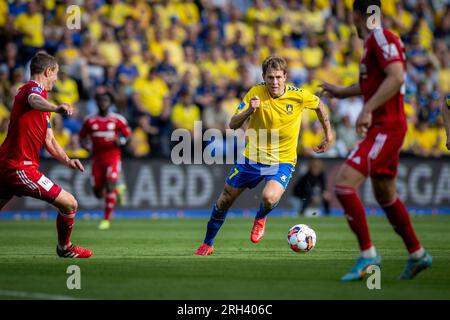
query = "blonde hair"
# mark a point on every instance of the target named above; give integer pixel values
(274, 62)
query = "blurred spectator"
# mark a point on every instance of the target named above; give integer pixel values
(5, 87)
(30, 26)
(347, 136)
(311, 137)
(109, 48)
(4, 123)
(62, 135)
(166, 70)
(149, 93)
(311, 188)
(185, 113)
(66, 89)
(426, 142)
(74, 149)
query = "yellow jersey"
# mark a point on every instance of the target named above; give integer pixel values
(276, 125)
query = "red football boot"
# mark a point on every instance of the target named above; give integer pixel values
(204, 250)
(74, 251)
(258, 230)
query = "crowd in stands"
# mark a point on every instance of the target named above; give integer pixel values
(170, 63)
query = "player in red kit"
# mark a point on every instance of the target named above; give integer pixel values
(108, 132)
(29, 129)
(382, 124)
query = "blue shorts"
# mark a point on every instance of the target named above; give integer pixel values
(248, 175)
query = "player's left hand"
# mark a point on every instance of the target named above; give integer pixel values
(75, 164)
(363, 122)
(323, 147)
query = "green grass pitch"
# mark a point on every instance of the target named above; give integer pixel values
(153, 259)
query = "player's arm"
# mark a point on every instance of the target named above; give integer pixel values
(341, 92)
(324, 119)
(446, 116)
(52, 146)
(238, 120)
(125, 135)
(40, 103)
(84, 136)
(390, 86)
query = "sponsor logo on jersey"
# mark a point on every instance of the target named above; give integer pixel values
(36, 89)
(241, 106)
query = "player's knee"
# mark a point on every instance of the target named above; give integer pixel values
(110, 186)
(70, 204)
(225, 200)
(384, 193)
(224, 203)
(270, 199)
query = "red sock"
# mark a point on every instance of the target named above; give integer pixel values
(64, 224)
(399, 219)
(355, 214)
(110, 202)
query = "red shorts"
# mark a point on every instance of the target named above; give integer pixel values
(105, 170)
(27, 182)
(378, 154)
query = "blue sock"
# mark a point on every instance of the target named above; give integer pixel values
(263, 212)
(215, 222)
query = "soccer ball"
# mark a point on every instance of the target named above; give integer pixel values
(301, 238)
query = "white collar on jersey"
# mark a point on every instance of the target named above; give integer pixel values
(40, 85)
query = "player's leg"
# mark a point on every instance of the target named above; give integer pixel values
(271, 195)
(99, 186)
(3, 203)
(110, 196)
(218, 215)
(67, 207)
(348, 180)
(277, 178)
(111, 177)
(384, 188)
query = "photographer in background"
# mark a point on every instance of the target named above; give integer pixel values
(311, 188)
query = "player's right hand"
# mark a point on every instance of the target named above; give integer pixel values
(65, 108)
(330, 90)
(255, 103)
(75, 164)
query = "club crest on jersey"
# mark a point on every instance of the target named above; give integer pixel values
(266, 105)
(289, 109)
(111, 126)
(36, 89)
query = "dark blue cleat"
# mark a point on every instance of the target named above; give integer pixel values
(359, 270)
(414, 266)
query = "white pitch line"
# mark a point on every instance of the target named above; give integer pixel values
(35, 295)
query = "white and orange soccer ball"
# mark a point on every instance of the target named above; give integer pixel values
(301, 238)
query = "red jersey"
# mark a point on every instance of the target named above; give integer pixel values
(27, 129)
(103, 132)
(381, 49)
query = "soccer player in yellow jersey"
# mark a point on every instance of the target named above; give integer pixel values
(446, 116)
(272, 111)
